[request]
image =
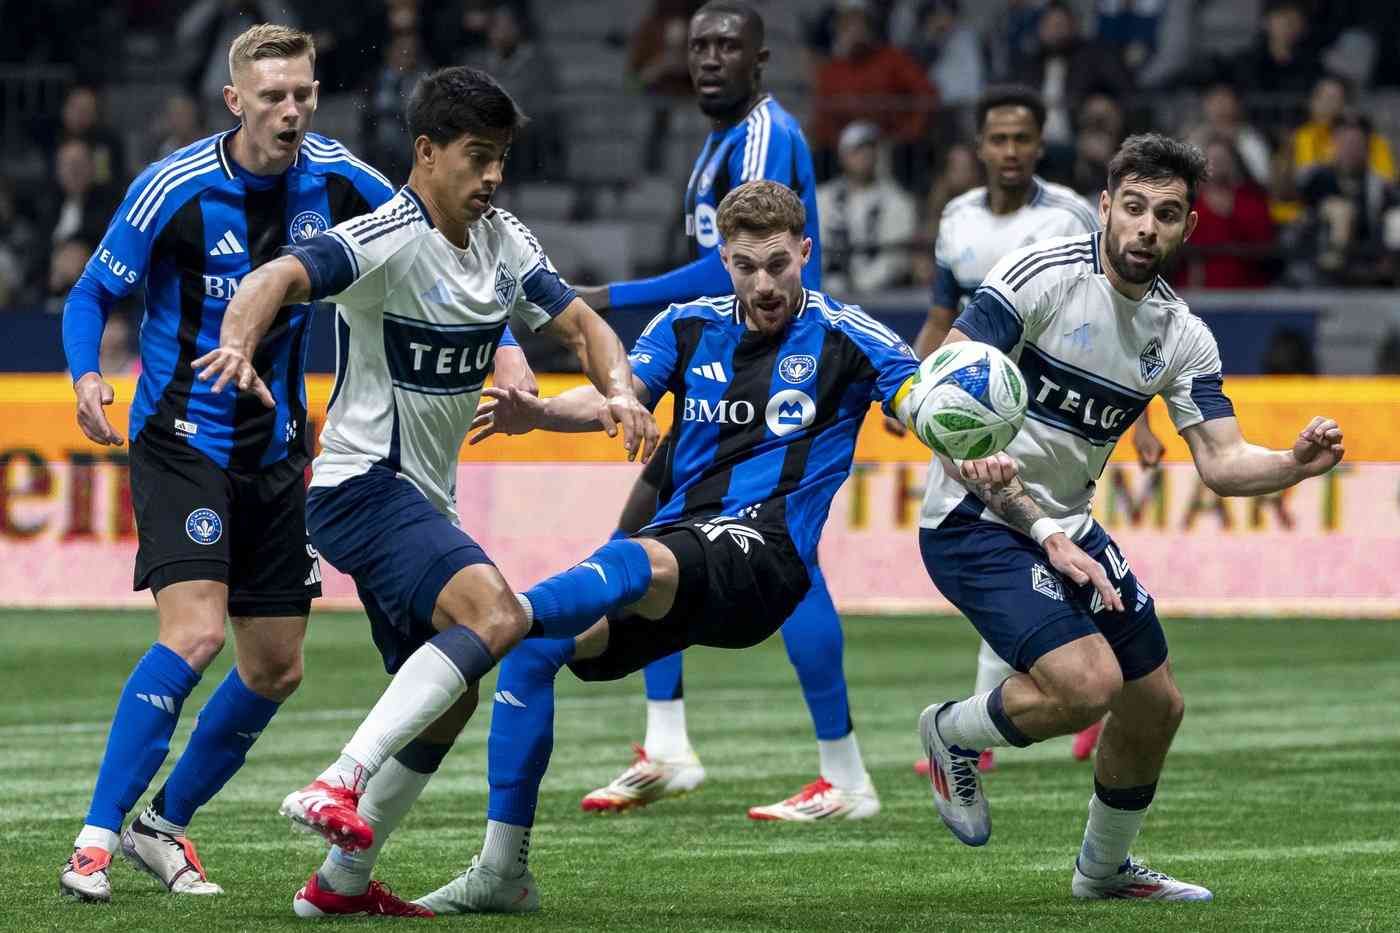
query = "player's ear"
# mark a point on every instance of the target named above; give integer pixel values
(1191, 220)
(1105, 205)
(231, 101)
(806, 249)
(423, 151)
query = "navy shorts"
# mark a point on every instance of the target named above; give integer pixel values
(1003, 582)
(400, 550)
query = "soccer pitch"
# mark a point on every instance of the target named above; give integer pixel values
(1280, 793)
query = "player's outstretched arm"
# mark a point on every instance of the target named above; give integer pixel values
(1231, 466)
(604, 362)
(511, 411)
(994, 481)
(281, 282)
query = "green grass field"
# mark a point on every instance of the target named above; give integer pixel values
(1280, 794)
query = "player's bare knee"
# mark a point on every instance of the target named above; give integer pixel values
(665, 578)
(479, 599)
(198, 642)
(1085, 701)
(275, 679)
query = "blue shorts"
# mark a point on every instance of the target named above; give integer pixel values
(1003, 582)
(400, 550)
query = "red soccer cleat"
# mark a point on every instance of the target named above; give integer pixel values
(331, 812)
(1085, 741)
(313, 901)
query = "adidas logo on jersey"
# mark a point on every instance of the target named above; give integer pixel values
(228, 245)
(712, 371)
(164, 703)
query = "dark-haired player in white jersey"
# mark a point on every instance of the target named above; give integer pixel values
(1025, 561)
(1015, 208)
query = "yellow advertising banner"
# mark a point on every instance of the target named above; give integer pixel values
(39, 420)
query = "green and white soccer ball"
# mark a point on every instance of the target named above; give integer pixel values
(969, 400)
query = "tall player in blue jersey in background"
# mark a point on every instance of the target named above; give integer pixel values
(217, 481)
(753, 138)
(732, 550)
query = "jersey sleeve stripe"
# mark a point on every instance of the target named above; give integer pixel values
(175, 183)
(384, 231)
(651, 325)
(756, 148)
(158, 179)
(1066, 259)
(1036, 256)
(168, 178)
(318, 151)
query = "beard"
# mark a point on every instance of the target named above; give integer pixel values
(1127, 270)
(720, 107)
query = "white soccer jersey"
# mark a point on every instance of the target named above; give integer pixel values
(972, 239)
(417, 325)
(1092, 359)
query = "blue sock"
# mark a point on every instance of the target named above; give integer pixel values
(616, 575)
(663, 678)
(812, 635)
(522, 728)
(139, 740)
(227, 727)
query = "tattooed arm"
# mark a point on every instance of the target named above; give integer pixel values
(994, 481)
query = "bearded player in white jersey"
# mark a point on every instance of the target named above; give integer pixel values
(423, 287)
(1015, 208)
(1096, 333)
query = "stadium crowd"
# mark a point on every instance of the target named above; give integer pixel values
(1294, 101)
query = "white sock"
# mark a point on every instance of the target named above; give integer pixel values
(666, 733)
(96, 836)
(506, 849)
(160, 824)
(840, 761)
(526, 605)
(991, 669)
(387, 800)
(424, 688)
(1108, 836)
(968, 724)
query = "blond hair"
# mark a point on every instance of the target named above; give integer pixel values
(762, 207)
(269, 40)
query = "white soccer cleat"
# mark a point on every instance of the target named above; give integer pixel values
(1134, 880)
(171, 860)
(646, 781)
(956, 783)
(84, 875)
(821, 800)
(481, 890)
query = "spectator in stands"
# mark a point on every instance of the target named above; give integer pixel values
(1312, 142)
(1284, 59)
(17, 250)
(868, 221)
(656, 61)
(206, 31)
(459, 29)
(1234, 230)
(79, 120)
(66, 263)
(950, 50)
(524, 68)
(117, 353)
(961, 172)
(1012, 42)
(180, 124)
(869, 79)
(1225, 119)
(384, 128)
(1348, 203)
(1102, 126)
(1154, 40)
(1065, 69)
(78, 206)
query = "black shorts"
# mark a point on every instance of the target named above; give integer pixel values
(738, 585)
(198, 521)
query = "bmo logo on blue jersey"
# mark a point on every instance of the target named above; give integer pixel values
(706, 228)
(1076, 401)
(789, 410)
(724, 411)
(439, 359)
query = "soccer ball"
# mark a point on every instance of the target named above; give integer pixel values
(969, 400)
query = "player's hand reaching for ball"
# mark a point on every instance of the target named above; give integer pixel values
(94, 394)
(1071, 560)
(225, 365)
(639, 431)
(506, 411)
(1318, 447)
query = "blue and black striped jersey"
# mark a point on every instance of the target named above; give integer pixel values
(765, 428)
(191, 227)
